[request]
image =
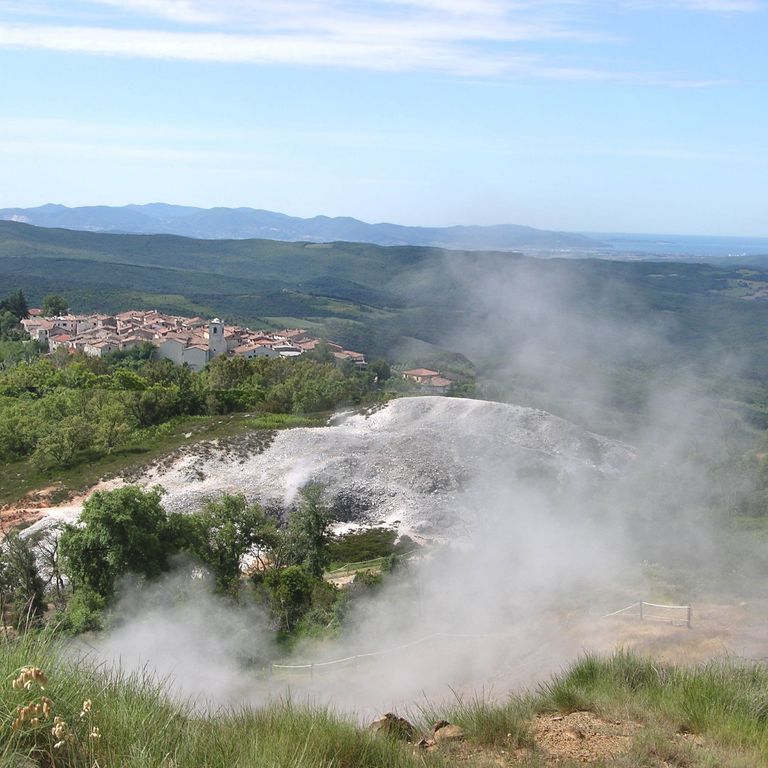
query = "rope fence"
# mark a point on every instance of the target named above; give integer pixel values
(646, 611)
(642, 609)
(321, 665)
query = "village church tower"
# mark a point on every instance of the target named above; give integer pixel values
(217, 344)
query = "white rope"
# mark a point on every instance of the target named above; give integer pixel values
(642, 605)
(622, 610)
(379, 653)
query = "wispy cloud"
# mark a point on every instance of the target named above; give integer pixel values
(129, 152)
(469, 38)
(385, 54)
(710, 6)
(185, 11)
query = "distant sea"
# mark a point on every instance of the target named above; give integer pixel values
(691, 246)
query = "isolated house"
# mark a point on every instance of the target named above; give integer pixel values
(431, 382)
(420, 375)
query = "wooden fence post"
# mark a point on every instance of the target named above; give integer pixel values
(641, 610)
(688, 622)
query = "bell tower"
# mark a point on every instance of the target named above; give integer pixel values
(217, 344)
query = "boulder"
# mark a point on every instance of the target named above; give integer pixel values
(390, 724)
(444, 731)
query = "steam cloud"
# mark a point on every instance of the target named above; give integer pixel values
(510, 599)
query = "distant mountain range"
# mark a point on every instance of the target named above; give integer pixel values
(242, 223)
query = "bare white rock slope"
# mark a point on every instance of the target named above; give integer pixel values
(410, 463)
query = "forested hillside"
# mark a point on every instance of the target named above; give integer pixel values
(520, 321)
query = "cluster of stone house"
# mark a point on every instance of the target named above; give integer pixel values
(184, 340)
(430, 382)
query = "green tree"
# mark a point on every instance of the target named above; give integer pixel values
(61, 442)
(121, 531)
(55, 304)
(308, 535)
(114, 424)
(21, 588)
(154, 405)
(16, 304)
(9, 325)
(380, 369)
(225, 532)
(123, 378)
(322, 353)
(17, 431)
(288, 592)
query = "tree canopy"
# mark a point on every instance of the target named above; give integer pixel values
(16, 304)
(225, 532)
(121, 531)
(54, 304)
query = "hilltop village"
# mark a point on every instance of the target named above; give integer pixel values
(184, 340)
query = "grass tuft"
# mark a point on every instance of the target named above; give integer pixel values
(487, 722)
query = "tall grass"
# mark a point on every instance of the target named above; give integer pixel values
(698, 717)
(487, 722)
(138, 726)
(724, 700)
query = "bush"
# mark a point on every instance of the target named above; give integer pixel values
(84, 612)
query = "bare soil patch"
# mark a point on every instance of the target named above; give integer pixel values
(31, 508)
(582, 737)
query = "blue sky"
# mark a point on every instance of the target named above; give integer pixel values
(630, 115)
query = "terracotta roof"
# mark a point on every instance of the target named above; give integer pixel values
(439, 381)
(45, 324)
(291, 332)
(421, 372)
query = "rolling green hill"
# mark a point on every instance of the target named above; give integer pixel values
(539, 328)
(220, 222)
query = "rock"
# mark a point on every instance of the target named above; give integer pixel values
(390, 724)
(448, 732)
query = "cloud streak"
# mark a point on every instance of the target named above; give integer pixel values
(483, 38)
(705, 6)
